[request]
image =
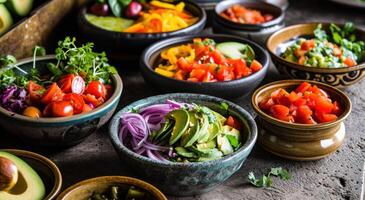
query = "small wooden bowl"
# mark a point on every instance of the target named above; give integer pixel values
(338, 77)
(45, 168)
(84, 189)
(300, 141)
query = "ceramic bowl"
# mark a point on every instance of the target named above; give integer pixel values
(186, 179)
(338, 77)
(84, 189)
(136, 42)
(45, 168)
(61, 131)
(256, 32)
(300, 141)
(227, 89)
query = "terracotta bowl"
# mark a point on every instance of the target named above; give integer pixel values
(60, 131)
(84, 189)
(300, 141)
(339, 77)
(45, 168)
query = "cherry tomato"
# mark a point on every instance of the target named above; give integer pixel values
(47, 111)
(65, 83)
(32, 112)
(233, 122)
(93, 100)
(109, 91)
(76, 101)
(35, 92)
(96, 88)
(62, 109)
(53, 93)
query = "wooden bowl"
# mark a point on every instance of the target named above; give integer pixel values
(300, 141)
(84, 189)
(45, 168)
(337, 77)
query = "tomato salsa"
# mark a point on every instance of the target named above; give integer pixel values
(240, 14)
(307, 104)
(205, 61)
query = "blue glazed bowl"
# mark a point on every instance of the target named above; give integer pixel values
(60, 131)
(186, 179)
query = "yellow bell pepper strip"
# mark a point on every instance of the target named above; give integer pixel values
(163, 5)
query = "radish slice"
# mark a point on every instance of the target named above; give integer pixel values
(78, 85)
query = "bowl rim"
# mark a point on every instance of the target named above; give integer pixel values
(50, 164)
(122, 179)
(118, 88)
(305, 68)
(296, 82)
(202, 19)
(246, 26)
(157, 46)
(248, 145)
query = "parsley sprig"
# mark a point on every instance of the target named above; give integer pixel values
(265, 180)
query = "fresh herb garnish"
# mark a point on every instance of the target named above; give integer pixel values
(265, 180)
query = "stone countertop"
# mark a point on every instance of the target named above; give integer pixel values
(339, 176)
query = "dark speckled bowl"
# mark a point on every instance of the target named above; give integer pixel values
(185, 179)
(234, 88)
(60, 131)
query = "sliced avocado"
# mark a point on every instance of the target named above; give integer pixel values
(109, 23)
(203, 132)
(164, 132)
(19, 7)
(29, 186)
(184, 153)
(236, 50)
(219, 117)
(224, 145)
(200, 152)
(5, 19)
(192, 133)
(209, 145)
(182, 119)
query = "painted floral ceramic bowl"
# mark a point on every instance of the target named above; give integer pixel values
(61, 131)
(300, 141)
(186, 179)
(338, 77)
(84, 189)
(45, 168)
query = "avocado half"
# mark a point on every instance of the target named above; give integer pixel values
(19, 7)
(5, 19)
(29, 186)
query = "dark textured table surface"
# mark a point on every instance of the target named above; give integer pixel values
(339, 176)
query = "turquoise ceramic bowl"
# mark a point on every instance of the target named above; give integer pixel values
(185, 179)
(60, 131)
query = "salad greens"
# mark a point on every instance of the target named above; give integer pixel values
(265, 180)
(336, 48)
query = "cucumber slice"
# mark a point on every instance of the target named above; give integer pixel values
(19, 7)
(236, 50)
(184, 153)
(5, 19)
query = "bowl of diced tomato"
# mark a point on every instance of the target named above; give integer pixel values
(299, 119)
(43, 105)
(219, 65)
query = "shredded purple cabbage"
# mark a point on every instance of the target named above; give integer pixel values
(138, 126)
(13, 98)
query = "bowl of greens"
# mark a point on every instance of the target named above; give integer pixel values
(113, 188)
(218, 65)
(183, 143)
(127, 25)
(328, 53)
(58, 99)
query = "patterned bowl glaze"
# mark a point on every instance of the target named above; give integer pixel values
(84, 189)
(61, 131)
(300, 141)
(186, 179)
(339, 77)
(45, 168)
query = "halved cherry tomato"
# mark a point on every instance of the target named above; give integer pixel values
(47, 111)
(86, 108)
(96, 88)
(62, 109)
(233, 122)
(76, 100)
(65, 83)
(109, 91)
(35, 92)
(89, 98)
(53, 93)
(255, 66)
(307, 45)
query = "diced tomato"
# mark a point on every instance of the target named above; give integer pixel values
(303, 87)
(323, 117)
(323, 105)
(109, 91)
(198, 73)
(156, 24)
(240, 68)
(279, 111)
(301, 60)
(65, 83)
(208, 77)
(337, 52)
(96, 88)
(336, 109)
(255, 66)
(225, 74)
(300, 101)
(292, 97)
(180, 75)
(307, 45)
(349, 62)
(183, 64)
(53, 93)
(193, 79)
(76, 101)
(299, 53)
(233, 122)
(93, 100)
(217, 57)
(303, 113)
(35, 92)
(266, 104)
(280, 97)
(268, 17)
(62, 109)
